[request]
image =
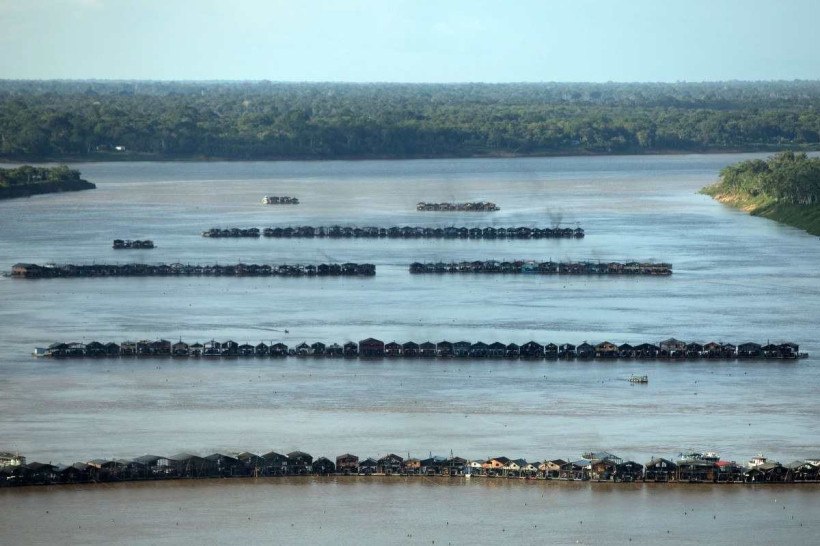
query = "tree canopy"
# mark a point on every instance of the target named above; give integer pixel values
(27, 174)
(265, 120)
(786, 177)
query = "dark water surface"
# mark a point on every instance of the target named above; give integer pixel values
(737, 278)
(410, 511)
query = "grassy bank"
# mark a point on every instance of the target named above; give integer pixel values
(806, 217)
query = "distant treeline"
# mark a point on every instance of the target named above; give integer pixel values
(27, 180)
(265, 120)
(786, 177)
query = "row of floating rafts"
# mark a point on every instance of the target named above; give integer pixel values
(120, 244)
(545, 268)
(279, 200)
(400, 232)
(231, 232)
(671, 349)
(475, 206)
(592, 466)
(34, 271)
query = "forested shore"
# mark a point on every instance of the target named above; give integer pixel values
(110, 120)
(785, 188)
(27, 180)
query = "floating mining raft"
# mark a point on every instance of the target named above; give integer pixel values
(601, 466)
(34, 271)
(545, 268)
(231, 232)
(399, 232)
(121, 244)
(279, 200)
(475, 206)
(670, 349)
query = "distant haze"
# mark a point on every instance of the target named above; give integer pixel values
(410, 40)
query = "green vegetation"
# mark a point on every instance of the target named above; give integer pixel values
(27, 180)
(785, 188)
(262, 120)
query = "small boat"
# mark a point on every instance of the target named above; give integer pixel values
(638, 378)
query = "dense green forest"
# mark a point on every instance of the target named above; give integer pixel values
(265, 120)
(27, 180)
(786, 188)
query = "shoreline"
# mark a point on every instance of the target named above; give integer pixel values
(806, 218)
(42, 188)
(126, 157)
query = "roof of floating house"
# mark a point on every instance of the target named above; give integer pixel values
(147, 459)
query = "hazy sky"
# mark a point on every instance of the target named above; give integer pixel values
(411, 41)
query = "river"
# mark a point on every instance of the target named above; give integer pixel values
(736, 278)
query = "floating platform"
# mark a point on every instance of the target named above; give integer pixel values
(707, 468)
(231, 233)
(671, 349)
(124, 244)
(474, 206)
(401, 232)
(51, 271)
(279, 200)
(544, 268)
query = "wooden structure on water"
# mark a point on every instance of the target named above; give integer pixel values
(375, 348)
(34, 271)
(218, 233)
(279, 200)
(51, 271)
(399, 232)
(598, 467)
(474, 206)
(125, 244)
(544, 268)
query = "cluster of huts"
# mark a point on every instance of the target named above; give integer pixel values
(51, 271)
(594, 466)
(670, 349)
(545, 268)
(473, 206)
(279, 200)
(121, 244)
(400, 232)
(231, 232)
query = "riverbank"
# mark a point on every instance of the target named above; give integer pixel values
(785, 188)
(805, 217)
(123, 157)
(45, 187)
